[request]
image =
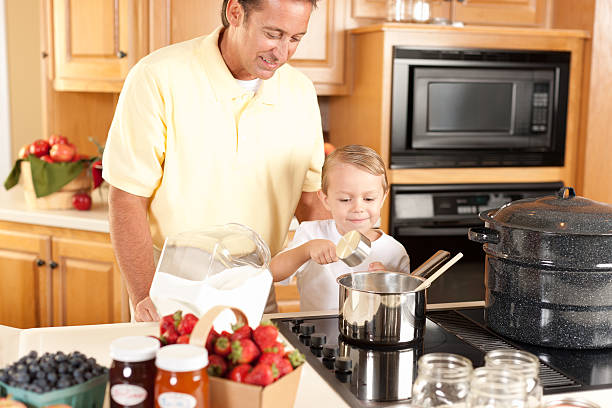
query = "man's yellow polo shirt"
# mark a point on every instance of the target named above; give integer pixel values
(175, 138)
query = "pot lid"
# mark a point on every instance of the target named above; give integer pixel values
(564, 213)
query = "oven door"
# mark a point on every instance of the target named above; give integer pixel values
(465, 280)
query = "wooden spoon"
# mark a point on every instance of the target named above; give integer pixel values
(439, 272)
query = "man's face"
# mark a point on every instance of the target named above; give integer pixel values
(269, 36)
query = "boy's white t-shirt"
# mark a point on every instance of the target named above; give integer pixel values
(317, 283)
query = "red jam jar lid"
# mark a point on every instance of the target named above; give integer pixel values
(134, 349)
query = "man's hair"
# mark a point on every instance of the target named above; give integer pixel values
(359, 156)
(248, 5)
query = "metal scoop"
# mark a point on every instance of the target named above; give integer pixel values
(353, 248)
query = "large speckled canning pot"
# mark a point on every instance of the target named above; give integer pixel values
(548, 270)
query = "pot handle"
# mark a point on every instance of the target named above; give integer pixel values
(483, 235)
(566, 193)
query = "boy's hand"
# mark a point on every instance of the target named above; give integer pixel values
(376, 266)
(322, 251)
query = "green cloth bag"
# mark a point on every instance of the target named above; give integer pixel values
(47, 178)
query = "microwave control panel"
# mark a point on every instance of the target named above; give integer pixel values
(539, 107)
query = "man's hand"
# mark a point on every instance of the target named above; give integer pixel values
(376, 266)
(145, 311)
(322, 251)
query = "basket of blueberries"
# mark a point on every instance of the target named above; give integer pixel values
(54, 379)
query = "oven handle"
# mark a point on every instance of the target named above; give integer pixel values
(430, 231)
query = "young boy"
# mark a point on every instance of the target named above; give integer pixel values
(353, 188)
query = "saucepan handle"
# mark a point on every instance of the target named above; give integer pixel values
(483, 235)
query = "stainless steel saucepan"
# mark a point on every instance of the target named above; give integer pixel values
(382, 308)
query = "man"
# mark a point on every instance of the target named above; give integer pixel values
(214, 130)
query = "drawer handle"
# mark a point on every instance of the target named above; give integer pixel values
(40, 262)
(53, 265)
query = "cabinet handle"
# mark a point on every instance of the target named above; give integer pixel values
(53, 265)
(121, 54)
(45, 54)
(40, 262)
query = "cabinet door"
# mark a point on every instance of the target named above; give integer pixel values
(25, 287)
(87, 287)
(95, 43)
(502, 12)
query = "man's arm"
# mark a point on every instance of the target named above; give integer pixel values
(133, 245)
(310, 208)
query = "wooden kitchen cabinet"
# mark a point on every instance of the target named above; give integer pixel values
(58, 277)
(24, 292)
(320, 54)
(95, 42)
(531, 13)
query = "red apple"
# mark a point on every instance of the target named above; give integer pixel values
(24, 152)
(47, 158)
(96, 173)
(62, 152)
(328, 148)
(39, 148)
(81, 201)
(57, 139)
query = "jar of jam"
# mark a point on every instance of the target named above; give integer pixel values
(132, 373)
(182, 380)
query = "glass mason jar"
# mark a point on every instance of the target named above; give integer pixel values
(421, 11)
(523, 363)
(399, 10)
(443, 379)
(495, 387)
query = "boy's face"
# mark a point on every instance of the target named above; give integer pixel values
(354, 198)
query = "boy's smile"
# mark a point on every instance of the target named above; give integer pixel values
(354, 198)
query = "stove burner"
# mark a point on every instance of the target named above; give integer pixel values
(376, 377)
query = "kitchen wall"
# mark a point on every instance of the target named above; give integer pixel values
(24, 72)
(5, 153)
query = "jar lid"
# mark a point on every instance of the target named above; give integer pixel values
(564, 213)
(133, 349)
(570, 403)
(181, 358)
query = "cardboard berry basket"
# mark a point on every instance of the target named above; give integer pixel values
(60, 200)
(225, 393)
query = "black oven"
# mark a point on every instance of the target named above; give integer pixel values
(478, 108)
(425, 218)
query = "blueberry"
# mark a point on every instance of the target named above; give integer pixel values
(4, 376)
(77, 373)
(60, 357)
(36, 388)
(79, 380)
(40, 382)
(22, 377)
(62, 368)
(33, 354)
(88, 375)
(41, 374)
(33, 368)
(63, 383)
(52, 377)
(21, 367)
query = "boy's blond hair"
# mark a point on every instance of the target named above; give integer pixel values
(360, 156)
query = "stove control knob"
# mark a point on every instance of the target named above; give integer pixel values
(317, 340)
(296, 325)
(307, 329)
(330, 351)
(344, 364)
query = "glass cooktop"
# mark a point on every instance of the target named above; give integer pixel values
(376, 377)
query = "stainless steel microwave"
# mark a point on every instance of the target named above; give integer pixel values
(478, 108)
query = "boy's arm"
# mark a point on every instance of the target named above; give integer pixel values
(283, 265)
(286, 263)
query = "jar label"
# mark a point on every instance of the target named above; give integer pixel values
(176, 400)
(128, 395)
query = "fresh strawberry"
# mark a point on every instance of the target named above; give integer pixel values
(239, 372)
(265, 335)
(262, 374)
(216, 366)
(187, 323)
(284, 366)
(277, 347)
(270, 358)
(241, 331)
(210, 340)
(183, 339)
(243, 351)
(222, 346)
(225, 334)
(170, 336)
(166, 322)
(295, 358)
